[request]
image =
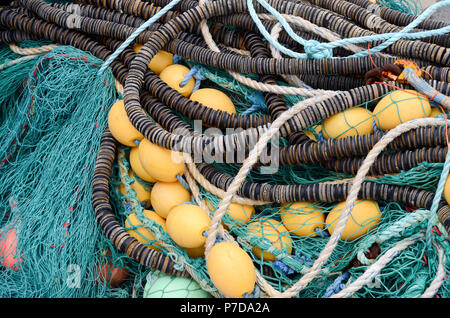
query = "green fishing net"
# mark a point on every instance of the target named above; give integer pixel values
(54, 111)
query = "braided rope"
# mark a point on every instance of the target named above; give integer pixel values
(17, 61)
(440, 275)
(32, 50)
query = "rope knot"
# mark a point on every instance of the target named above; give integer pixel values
(193, 73)
(314, 50)
(258, 103)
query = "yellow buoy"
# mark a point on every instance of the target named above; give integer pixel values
(364, 217)
(173, 75)
(302, 218)
(121, 127)
(273, 231)
(354, 121)
(311, 135)
(166, 195)
(231, 270)
(161, 163)
(135, 164)
(159, 62)
(435, 111)
(196, 252)
(186, 224)
(141, 233)
(400, 106)
(142, 194)
(215, 99)
(447, 190)
(239, 213)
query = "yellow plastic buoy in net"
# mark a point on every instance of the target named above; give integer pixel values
(231, 270)
(447, 190)
(161, 163)
(302, 218)
(435, 111)
(186, 224)
(166, 195)
(310, 134)
(135, 164)
(121, 127)
(355, 121)
(159, 62)
(239, 213)
(364, 217)
(174, 74)
(136, 228)
(399, 107)
(142, 194)
(213, 98)
(273, 231)
(196, 252)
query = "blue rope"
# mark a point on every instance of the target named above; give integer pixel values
(321, 233)
(183, 182)
(282, 267)
(303, 258)
(176, 59)
(135, 34)
(321, 137)
(258, 103)
(195, 73)
(317, 50)
(375, 127)
(337, 285)
(407, 29)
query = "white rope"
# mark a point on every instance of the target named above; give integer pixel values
(32, 50)
(440, 275)
(17, 61)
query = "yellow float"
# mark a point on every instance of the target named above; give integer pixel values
(121, 127)
(447, 190)
(142, 194)
(310, 134)
(354, 121)
(399, 107)
(166, 195)
(141, 233)
(196, 252)
(173, 75)
(231, 270)
(364, 217)
(159, 62)
(435, 111)
(302, 218)
(161, 163)
(215, 99)
(239, 213)
(135, 164)
(273, 231)
(186, 224)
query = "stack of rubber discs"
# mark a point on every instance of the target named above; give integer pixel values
(235, 228)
